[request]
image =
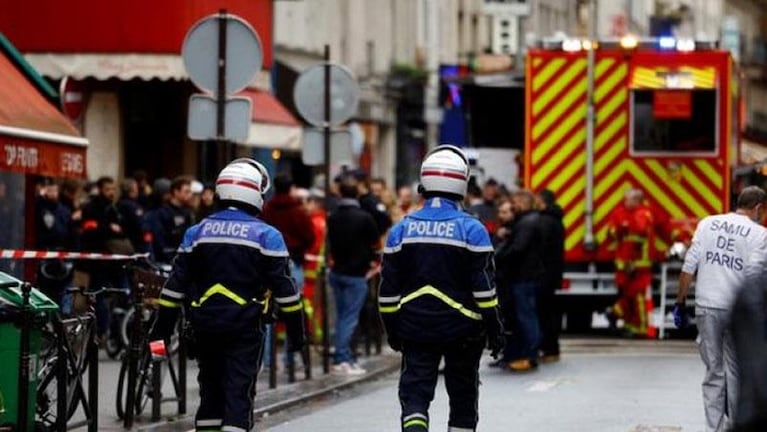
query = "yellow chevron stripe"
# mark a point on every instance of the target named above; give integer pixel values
(608, 134)
(711, 173)
(615, 79)
(575, 236)
(574, 214)
(675, 187)
(547, 119)
(695, 182)
(605, 161)
(655, 190)
(537, 61)
(602, 67)
(574, 120)
(547, 72)
(576, 68)
(606, 109)
(557, 159)
(574, 167)
(571, 192)
(609, 189)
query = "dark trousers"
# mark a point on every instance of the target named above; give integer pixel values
(549, 318)
(524, 341)
(229, 366)
(420, 367)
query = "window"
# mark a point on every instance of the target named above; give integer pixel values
(674, 121)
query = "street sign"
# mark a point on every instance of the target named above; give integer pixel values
(506, 7)
(309, 95)
(313, 151)
(243, 57)
(72, 97)
(202, 118)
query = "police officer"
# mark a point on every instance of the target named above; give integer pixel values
(437, 296)
(220, 275)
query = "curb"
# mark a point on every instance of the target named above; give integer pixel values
(186, 422)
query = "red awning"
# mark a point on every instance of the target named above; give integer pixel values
(35, 138)
(272, 125)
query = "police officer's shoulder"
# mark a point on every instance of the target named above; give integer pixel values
(476, 233)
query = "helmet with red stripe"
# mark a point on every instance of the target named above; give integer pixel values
(445, 170)
(243, 181)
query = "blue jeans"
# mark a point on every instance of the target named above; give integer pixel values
(298, 275)
(526, 334)
(350, 293)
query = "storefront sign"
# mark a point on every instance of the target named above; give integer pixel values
(41, 158)
(672, 104)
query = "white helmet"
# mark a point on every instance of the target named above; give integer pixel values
(244, 180)
(445, 169)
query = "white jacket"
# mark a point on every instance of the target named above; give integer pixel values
(726, 250)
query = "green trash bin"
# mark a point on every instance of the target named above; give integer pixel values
(10, 347)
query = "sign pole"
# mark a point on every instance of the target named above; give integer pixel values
(222, 144)
(326, 145)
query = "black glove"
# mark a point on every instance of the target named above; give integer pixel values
(296, 334)
(495, 343)
(681, 319)
(394, 342)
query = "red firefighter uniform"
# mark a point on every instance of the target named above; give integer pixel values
(632, 228)
(312, 270)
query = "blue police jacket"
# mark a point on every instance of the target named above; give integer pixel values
(223, 268)
(438, 276)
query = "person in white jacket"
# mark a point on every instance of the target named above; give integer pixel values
(726, 251)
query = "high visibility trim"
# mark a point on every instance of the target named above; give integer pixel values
(293, 308)
(233, 429)
(167, 303)
(390, 299)
(207, 429)
(430, 290)
(209, 422)
(484, 294)
(441, 241)
(388, 309)
(237, 242)
(459, 429)
(172, 294)
(635, 238)
(488, 304)
(415, 415)
(293, 298)
(415, 422)
(222, 290)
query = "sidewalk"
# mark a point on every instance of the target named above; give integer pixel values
(268, 401)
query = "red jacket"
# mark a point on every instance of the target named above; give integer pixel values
(633, 231)
(288, 215)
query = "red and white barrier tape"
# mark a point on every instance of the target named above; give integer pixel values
(26, 254)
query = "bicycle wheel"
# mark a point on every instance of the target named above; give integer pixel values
(143, 383)
(47, 394)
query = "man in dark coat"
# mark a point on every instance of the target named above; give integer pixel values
(553, 246)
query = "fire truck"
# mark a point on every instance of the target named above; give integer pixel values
(601, 117)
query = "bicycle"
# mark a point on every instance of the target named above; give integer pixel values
(148, 378)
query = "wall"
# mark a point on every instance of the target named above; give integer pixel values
(102, 125)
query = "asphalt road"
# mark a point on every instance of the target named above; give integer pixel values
(599, 385)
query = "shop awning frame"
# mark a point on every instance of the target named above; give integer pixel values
(43, 136)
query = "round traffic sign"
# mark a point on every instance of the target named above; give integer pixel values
(72, 95)
(309, 95)
(243, 56)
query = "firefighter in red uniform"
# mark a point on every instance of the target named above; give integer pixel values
(631, 227)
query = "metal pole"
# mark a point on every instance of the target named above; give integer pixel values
(223, 146)
(589, 242)
(93, 378)
(181, 367)
(323, 273)
(24, 360)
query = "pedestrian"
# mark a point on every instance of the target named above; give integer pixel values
(169, 222)
(104, 230)
(207, 202)
(353, 238)
(133, 212)
(631, 228)
(553, 246)
(726, 251)
(53, 232)
(287, 214)
(519, 263)
(487, 207)
(437, 296)
(221, 277)
(370, 202)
